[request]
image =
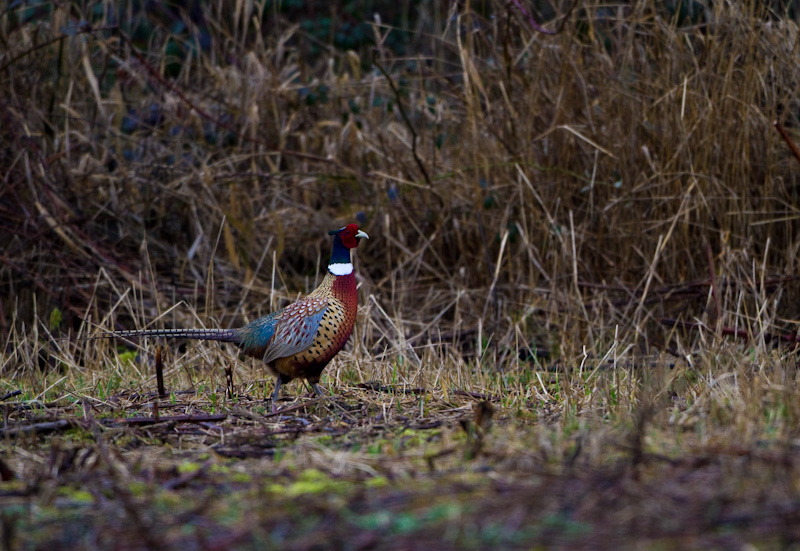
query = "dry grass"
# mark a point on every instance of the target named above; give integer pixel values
(594, 231)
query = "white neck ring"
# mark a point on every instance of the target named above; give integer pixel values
(340, 269)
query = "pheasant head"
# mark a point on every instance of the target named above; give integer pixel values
(344, 239)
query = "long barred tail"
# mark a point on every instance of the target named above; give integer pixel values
(223, 335)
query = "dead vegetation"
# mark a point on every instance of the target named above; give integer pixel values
(579, 299)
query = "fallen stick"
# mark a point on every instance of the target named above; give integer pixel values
(63, 424)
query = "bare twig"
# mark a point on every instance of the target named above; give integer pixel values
(10, 395)
(48, 426)
(714, 291)
(403, 114)
(378, 387)
(63, 424)
(537, 27)
(787, 139)
(160, 371)
(292, 408)
(141, 421)
(477, 395)
(85, 28)
(730, 331)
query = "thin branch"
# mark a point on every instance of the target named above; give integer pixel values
(536, 26)
(63, 424)
(403, 114)
(787, 139)
(10, 395)
(85, 28)
(730, 331)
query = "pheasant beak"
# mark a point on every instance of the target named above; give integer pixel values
(362, 234)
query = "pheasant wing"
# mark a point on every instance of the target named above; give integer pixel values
(296, 327)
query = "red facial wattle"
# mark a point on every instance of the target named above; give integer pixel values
(349, 240)
(349, 236)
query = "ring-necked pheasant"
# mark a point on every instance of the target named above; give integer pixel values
(298, 341)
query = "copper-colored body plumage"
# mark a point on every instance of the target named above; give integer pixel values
(337, 300)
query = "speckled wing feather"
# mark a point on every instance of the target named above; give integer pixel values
(296, 327)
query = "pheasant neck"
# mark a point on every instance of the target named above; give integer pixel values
(340, 264)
